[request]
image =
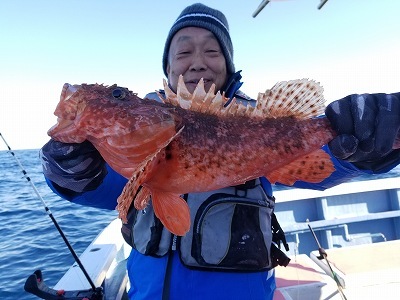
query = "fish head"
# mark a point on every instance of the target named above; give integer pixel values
(81, 107)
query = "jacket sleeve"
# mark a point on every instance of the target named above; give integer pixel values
(344, 171)
(105, 196)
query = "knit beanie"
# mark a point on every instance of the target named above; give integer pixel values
(199, 15)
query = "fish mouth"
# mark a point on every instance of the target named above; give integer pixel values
(66, 112)
(68, 104)
(68, 90)
(60, 128)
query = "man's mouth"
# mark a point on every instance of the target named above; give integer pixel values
(196, 81)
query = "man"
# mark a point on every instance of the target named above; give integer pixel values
(233, 257)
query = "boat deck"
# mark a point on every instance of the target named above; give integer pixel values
(364, 271)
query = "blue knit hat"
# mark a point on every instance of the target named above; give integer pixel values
(199, 15)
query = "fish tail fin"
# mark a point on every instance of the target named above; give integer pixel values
(313, 167)
(172, 211)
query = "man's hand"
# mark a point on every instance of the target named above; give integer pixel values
(75, 167)
(367, 126)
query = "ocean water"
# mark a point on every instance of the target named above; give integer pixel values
(28, 238)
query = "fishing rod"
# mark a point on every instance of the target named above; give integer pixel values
(324, 255)
(34, 283)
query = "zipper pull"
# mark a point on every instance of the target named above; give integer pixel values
(174, 239)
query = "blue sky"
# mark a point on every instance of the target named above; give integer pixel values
(348, 46)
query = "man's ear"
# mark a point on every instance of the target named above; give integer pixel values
(168, 68)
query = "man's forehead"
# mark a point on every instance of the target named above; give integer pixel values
(189, 33)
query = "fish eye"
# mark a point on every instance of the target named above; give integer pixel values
(118, 93)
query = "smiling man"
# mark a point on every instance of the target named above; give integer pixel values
(199, 46)
(195, 53)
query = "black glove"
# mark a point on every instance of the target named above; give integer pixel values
(367, 126)
(73, 167)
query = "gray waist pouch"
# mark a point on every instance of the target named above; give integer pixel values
(228, 232)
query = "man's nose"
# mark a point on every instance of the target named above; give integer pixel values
(198, 62)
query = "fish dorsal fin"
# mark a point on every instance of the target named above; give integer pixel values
(313, 168)
(201, 101)
(302, 98)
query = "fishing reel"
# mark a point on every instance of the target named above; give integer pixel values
(36, 286)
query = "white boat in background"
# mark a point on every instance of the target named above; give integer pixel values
(357, 223)
(105, 262)
(358, 226)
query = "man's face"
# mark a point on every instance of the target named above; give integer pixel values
(195, 53)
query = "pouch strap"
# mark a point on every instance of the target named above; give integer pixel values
(278, 258)
(167, 278)
(278, 235)
(126, 228)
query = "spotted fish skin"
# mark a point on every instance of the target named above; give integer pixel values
(193, 143)
(211, 151)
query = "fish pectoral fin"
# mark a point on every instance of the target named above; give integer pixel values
(313, 168)
(125, 199)
(172, 211)
(130, 191)
(142, 198)
(132, 148)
